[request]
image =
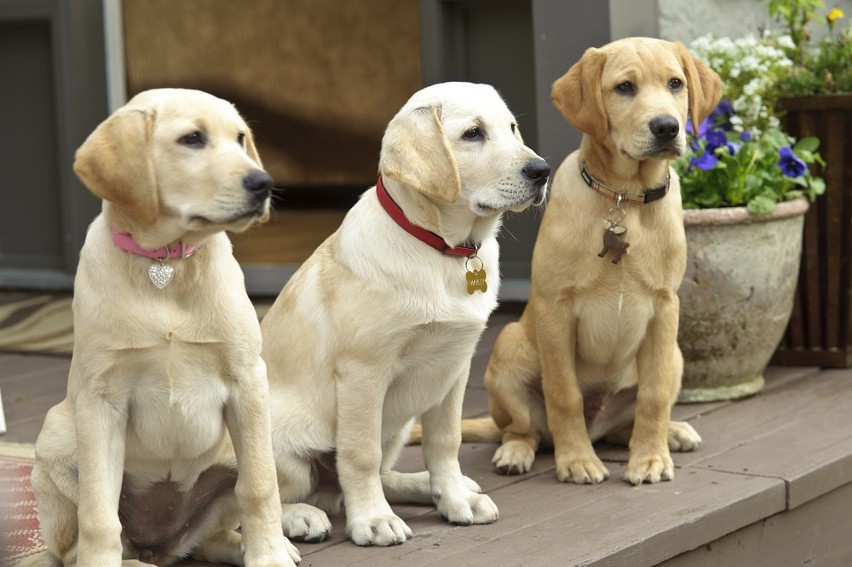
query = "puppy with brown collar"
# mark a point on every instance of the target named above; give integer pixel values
(595, 351)
(379, 325)
(162, 447)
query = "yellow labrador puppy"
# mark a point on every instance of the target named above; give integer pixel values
(380, 324)
(602, 316)
(137, 462)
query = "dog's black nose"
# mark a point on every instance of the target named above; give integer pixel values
(664, 128)
(537, 170)
(258, 183)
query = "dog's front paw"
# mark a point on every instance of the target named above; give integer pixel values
(382, 530)
(303, 522)
(581, 468)
(649, 468)
(471, 484)
(287, 557)
(467, 508)
(108, 560)
(682, 437)
(513, 457)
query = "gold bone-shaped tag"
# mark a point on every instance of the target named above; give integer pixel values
(476, 281)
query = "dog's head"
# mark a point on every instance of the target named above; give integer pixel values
(177, 156)
(459, 141)
(636, 94)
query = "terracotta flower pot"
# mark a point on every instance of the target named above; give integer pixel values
(736, 297)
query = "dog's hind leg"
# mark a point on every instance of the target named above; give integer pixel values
(221, 547)
(512, 381)
(403, 488)
(408, 488)
(58, 513)
(296, 484)
(683, 437)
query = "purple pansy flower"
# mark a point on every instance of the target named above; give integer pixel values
(721, 115)
(712, 130)
(703, 128)
(745, 136)
(791, 165)
(705, 161)
(716, 139)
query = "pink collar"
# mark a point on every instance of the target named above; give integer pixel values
(178, 250)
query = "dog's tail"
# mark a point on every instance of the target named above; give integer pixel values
(42, 559)
(479, 430)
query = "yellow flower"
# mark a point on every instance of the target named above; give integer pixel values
(834, 15)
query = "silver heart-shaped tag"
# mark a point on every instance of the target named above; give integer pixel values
(161, 274)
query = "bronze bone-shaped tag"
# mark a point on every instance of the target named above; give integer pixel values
(613, 242)
(612, 239)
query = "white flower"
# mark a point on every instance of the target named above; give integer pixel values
(786, 42)
(752, 87)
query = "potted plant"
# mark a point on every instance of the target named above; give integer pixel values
(745, 185)
(817, 101)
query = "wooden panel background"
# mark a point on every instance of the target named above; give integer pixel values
(318, 81)
(819, 329)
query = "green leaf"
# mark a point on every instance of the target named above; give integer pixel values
(817, 185)
(761, 205)
(809, 144)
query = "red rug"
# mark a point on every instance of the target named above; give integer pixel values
(20, 536)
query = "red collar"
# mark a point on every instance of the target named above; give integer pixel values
(417, 232)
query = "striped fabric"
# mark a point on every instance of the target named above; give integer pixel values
(20, 536)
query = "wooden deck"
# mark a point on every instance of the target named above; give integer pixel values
(771, 486)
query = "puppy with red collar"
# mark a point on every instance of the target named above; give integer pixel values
(379, 325)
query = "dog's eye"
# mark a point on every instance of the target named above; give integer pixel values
(474, 133)
(514, 128)
(194, 140)
(241, 139)
(626, 88)
(675, 85)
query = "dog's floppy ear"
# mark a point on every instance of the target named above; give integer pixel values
(703, 84)
(416, 151)
(116, 164)
(251, 149)
(577, 95)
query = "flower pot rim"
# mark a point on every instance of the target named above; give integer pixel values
(741, 215)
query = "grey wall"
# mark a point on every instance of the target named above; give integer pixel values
(54, 93)
(679, 20)
(520, 47)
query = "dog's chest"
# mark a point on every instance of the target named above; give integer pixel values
(176, 404)
(430, 361)
(611, 324)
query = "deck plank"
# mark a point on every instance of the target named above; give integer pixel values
(544, 522)
(816, 533)
(788, 446)
(737, 423)
(30, 385)
(811, 449)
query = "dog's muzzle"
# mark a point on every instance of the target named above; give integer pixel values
(259, 185)
(538, 172)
